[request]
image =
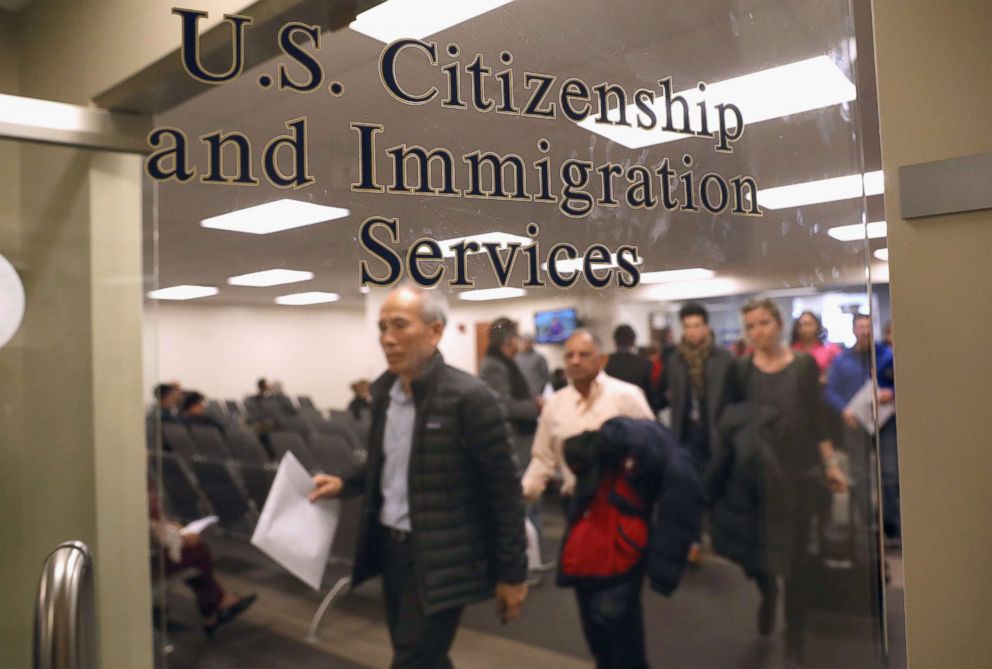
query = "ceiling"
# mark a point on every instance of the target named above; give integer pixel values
(630, 43)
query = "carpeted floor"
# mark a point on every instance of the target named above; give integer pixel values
(710, 622)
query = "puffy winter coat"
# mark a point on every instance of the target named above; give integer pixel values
(663, 480)
(466, 504)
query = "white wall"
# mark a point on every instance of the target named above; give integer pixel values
(222, 350)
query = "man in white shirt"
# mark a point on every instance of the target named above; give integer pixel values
(590, 399)
(611, 614)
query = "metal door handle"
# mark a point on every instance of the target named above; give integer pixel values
(63, 628)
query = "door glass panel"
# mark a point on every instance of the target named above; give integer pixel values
(643, 161)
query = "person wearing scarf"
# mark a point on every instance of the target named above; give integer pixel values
(697, 383)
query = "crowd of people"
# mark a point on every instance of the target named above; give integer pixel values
(749, 449)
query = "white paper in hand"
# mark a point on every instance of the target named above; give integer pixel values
(533, 545)
(292, 531)
(197, 526)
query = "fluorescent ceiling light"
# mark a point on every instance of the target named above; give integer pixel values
(264, 219)
(773, 93)
(858, 231)
(491, 294)
(693, 274)
(882, 254)
(823, 190)
(315, 297)
(577, 264)
(415, 18)
(42, 113)
(183, 292)
(501, 238)
(692, 290)
(270, 277)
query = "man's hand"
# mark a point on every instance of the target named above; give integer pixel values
(326, 487)
(885, 396)
(511, 598)
(836, 481)
(850, 420)
(531, 492)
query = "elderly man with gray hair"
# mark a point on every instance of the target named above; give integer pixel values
(442, 516)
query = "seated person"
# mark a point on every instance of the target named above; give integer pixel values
(168, 397)
(194, 412)
(362, 401)
(186, 551)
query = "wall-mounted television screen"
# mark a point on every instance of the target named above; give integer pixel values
(554, 327)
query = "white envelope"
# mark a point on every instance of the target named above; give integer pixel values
(292, 531)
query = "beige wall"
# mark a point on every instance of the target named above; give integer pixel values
(9, 68)
(934, 71)
(70, 381)
(83, 38)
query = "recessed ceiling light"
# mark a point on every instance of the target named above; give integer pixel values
(668, 276)
(491, 294)
(315, 297)
(882, 254)
(693, 290)
(393, 19)
(183, 292)
(773, 93)
(264, 219)
(578, 264)
(823, 190)
(858, 231)
(270, 277)
(501, 238)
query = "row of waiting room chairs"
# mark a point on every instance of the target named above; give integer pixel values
(206, 471)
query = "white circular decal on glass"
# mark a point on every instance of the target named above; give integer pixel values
(11, 301)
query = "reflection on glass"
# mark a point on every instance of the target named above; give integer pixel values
(593, 269)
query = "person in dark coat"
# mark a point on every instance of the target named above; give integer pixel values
(773, 470)
(194, 412)
(696, 384)
(627, 364)
(501, 372)
(636, 508)
(442, 515)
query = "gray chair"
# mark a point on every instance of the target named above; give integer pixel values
(342, 433)
(209, 442)
(221, 490)
(182, 502)
(333, 454)
(345, 420)
(177, 439)
(246, 448)
(258, 481)
(233, 407)
(283, 442)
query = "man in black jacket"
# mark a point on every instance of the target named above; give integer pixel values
(628, 365)
(443, 516)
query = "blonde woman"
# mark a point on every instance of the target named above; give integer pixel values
(774, 470)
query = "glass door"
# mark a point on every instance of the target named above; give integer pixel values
(694, 172)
